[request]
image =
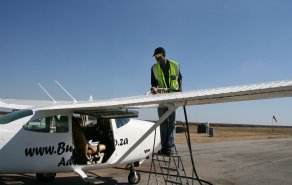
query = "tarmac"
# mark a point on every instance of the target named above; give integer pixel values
(247, 162)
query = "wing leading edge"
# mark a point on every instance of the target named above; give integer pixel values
(198, 97)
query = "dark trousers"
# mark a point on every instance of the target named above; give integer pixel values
(167, 130)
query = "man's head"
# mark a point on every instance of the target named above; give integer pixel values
(159, 54)
(159, 50)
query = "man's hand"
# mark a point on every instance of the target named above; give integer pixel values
(154, 90)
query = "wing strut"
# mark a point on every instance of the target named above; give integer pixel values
(171, 109)
(47, 93)
(75, 101)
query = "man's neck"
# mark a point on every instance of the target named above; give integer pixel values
(164, 62)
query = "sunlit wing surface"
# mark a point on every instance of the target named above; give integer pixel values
(8, 105)
(26, 102)
(14, 104)
(197, 97)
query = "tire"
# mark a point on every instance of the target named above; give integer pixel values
(132, 179)
(46, 177)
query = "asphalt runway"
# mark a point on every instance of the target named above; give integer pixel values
(255, 162)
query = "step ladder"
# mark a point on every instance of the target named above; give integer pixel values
(170, 167)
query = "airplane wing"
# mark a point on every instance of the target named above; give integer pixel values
(197, 97)
(8, 105)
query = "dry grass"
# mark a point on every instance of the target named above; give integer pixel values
(234, 133)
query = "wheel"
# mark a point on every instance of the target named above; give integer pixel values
(134, 179)
(46, 177)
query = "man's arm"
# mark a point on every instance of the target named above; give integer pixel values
(154, 82)
(179, 82)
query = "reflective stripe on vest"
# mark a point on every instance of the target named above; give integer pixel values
(173, 75)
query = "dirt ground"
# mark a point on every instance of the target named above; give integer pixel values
(232, 133)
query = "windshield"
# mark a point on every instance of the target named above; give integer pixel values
(7, 118)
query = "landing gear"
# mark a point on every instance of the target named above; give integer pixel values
(134, 177)
(46, 177)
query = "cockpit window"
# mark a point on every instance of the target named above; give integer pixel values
(7, 118)
(51, 124)
(122, 121)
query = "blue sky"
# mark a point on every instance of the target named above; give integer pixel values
(104, 48)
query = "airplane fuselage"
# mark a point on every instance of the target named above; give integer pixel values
(43, 141)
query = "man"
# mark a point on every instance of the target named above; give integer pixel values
(166, 74)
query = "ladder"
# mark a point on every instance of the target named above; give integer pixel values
(170, 167)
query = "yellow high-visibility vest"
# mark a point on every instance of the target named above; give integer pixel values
(173, 75)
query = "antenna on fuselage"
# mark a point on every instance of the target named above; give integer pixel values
(47, 93)
(67, 92)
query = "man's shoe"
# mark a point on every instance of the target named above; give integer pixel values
(161, 152)
(171, 152)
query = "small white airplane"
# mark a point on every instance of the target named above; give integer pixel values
(47, 137)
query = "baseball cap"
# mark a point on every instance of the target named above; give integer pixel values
(159, 50)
